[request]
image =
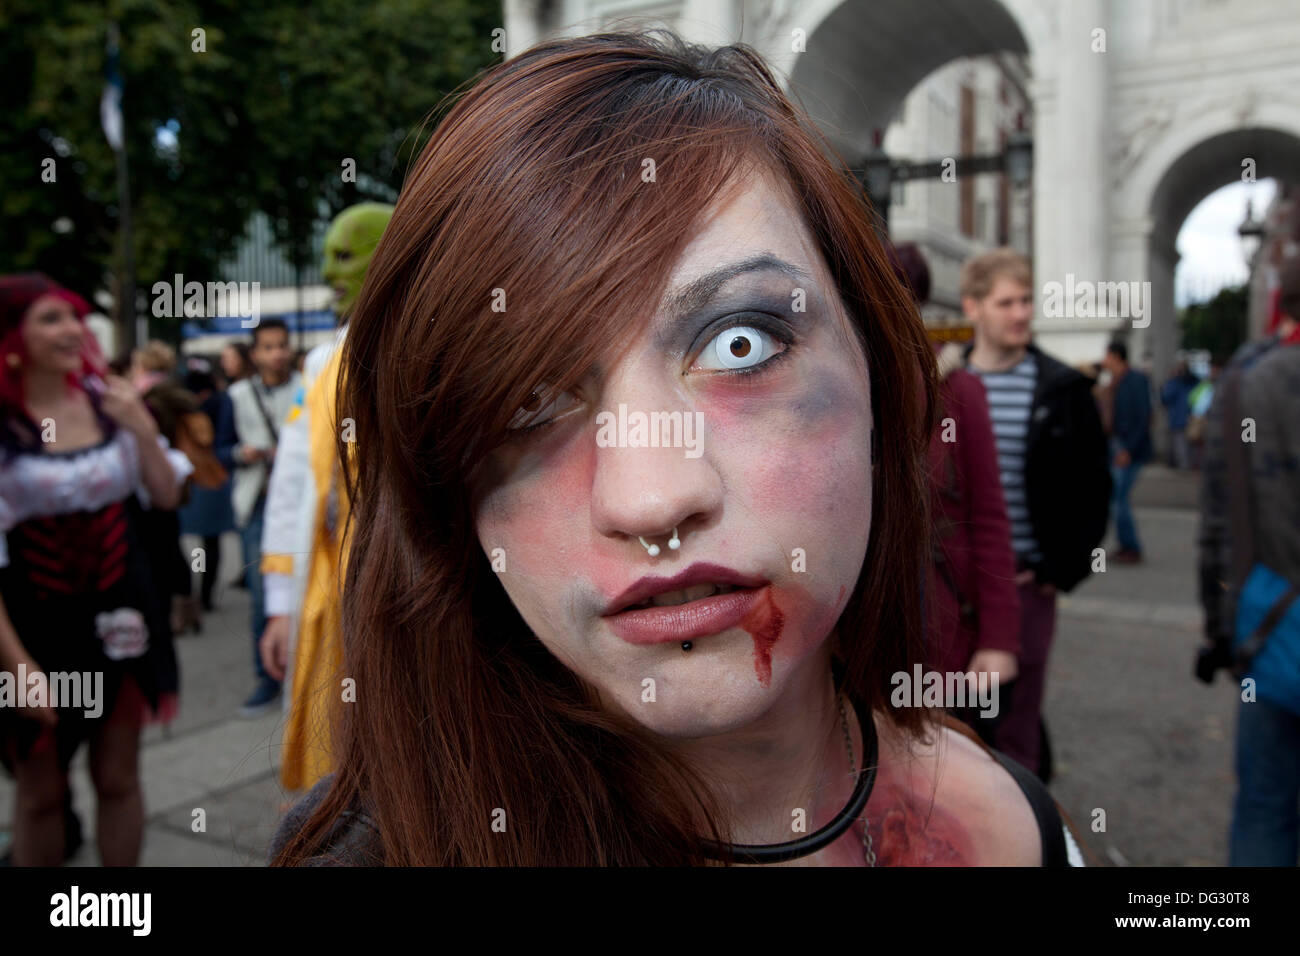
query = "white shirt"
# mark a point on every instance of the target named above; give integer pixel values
(48, 483)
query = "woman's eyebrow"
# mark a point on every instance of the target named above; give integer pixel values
(699, 292)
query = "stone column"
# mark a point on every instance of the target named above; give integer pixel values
(522, 22)
(1071, 184)
(715, 22)
(1082, 132)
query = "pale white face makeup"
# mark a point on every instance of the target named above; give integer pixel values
(774, 503)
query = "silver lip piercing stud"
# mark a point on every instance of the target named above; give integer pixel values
(653, 549)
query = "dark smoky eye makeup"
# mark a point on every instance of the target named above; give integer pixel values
(778, 328)
(771, 313)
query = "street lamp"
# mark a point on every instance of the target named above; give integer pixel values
(1251, 232)
(1020, 159)
(878, 174)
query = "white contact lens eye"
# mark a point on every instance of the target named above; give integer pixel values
(740, 347)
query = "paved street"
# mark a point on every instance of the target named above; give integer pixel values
(209, 758)
(1134, 734)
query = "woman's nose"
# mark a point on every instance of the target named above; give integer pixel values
(653, 471)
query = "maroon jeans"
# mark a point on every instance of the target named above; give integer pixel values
(1017, 734)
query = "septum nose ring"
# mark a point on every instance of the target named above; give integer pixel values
(653, 549)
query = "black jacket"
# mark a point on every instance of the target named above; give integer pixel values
(1132, 420)
(1067, 472)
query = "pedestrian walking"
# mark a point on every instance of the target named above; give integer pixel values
(1053, 466)
(1174, 396)
(260, 404)
(209, 513)
(1250, 577)
(1130, 444)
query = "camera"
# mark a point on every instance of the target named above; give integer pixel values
(1212, 657)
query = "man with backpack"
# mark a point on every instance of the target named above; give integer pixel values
(1250, 577)
(261, 403)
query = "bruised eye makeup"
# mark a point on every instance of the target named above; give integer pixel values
(544, 406)
(755, 330)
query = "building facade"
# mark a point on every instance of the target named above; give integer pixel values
(1137, 110)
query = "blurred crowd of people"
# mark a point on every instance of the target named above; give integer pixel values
(104, 466)
(1028, 469)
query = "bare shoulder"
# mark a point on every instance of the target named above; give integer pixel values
(944, 801)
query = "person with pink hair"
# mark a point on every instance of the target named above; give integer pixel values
(80, 456)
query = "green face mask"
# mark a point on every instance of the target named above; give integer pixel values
(349, 245)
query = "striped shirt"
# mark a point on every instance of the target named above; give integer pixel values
(1011, 399)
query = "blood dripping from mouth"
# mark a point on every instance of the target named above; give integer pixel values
(764, 622)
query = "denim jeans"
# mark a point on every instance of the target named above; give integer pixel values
(1125, 527)
(1180, 451)
(251, 534)
(1265, 817)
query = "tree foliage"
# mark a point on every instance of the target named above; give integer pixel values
(1219, 325)
(259, 111)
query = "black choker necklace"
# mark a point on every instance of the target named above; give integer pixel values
(780, 852)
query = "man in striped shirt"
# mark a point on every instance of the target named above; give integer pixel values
(1054, 466)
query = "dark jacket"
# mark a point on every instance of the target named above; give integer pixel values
(353, 840)
(1067, 472)
(1131, 425)
(223, 421)
(1174, 397)
(1269, 395)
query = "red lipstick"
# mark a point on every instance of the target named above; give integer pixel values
(639, 624)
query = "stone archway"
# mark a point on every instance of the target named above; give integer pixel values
(1181, 164)
(864, 56)
(859, 59)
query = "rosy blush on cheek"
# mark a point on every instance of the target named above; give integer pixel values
(813, 458)
(532, 517)
(728, 404)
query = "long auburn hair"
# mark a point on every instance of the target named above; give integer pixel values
(533, 184)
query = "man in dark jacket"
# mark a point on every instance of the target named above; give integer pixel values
(1173, 396)
(1130, 444)
(1054, 469)
(1250, 514)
